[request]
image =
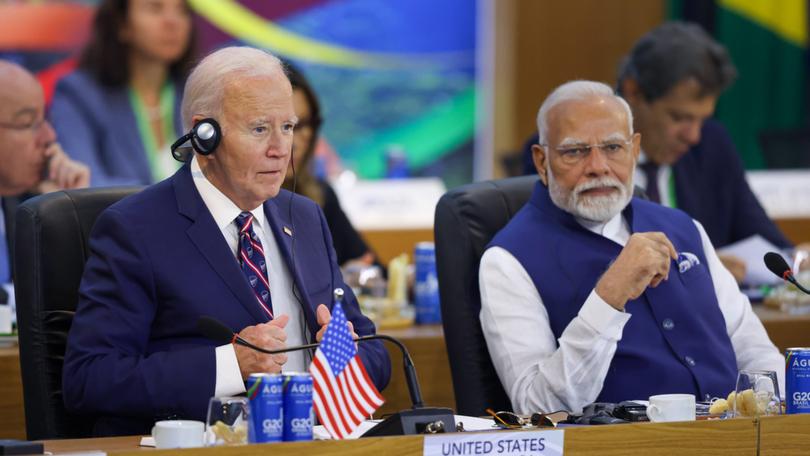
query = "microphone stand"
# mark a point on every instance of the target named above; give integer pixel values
(790, 278)
(416, 420)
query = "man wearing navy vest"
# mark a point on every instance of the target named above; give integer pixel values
(589, 294)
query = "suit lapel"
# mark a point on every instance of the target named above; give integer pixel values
(207, 237)
(284, 234)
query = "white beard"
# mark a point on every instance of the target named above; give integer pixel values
(598, 209)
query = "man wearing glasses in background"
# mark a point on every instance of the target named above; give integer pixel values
(31, 160)
(589, 294)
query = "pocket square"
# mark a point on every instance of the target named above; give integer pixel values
(686, 261)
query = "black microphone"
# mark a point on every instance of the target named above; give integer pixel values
(217, 331)
(414, 421)
(213, 329)
(777, 264)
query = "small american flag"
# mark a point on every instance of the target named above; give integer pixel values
(343, 394)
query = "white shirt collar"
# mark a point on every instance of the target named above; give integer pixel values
(609, 229)
(221, 207)
(642, 158)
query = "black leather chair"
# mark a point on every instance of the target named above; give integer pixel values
(466, 220)
(51, 247)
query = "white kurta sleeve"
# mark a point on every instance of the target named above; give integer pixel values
(537, 374)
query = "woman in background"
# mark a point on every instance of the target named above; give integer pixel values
(119, 111)
(349, 246)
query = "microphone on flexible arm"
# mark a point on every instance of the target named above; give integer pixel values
(217, 331)
(417, 420)
(777, 264)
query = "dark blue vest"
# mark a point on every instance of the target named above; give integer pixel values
(676, 340)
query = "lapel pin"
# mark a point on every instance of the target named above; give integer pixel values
(287, 231)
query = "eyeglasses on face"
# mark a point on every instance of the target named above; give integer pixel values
(614, 150)
(32, 126)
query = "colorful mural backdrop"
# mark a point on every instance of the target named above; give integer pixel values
(393, 76)
(765, 110)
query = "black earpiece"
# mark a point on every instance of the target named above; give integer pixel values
(204, 137)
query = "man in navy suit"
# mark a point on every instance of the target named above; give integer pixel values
(672, 79)
(219, 238)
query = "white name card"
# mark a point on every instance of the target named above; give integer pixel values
(390, 204)
(782, 193)
(539, 443)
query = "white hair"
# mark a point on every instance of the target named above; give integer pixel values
(577, 91)
(206, 84)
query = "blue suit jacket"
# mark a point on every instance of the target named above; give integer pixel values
(710, 186)
(96, 126)
(158, 262)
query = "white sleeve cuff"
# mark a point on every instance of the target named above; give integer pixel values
(602, 317)
(9, 287)
(229, 377)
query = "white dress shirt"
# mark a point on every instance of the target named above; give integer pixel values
(664, 175)
(539, 376)
(229, 378)
(9, 287)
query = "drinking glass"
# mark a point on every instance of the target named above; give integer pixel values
(800, 263)
(228, 421)
(756, 394)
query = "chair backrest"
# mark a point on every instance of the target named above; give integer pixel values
(51, 247)
(786, 149)
(466, 220)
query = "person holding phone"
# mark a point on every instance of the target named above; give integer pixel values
(32, 161)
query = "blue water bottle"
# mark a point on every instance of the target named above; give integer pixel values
(426, 287)
(396, 163)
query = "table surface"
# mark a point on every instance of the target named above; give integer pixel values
(426, 344)
(782, 435)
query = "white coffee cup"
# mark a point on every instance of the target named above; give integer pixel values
(671, 407)
(5, 319)
(178, 434)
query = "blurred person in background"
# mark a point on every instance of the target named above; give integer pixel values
(32, 160)
(119, 111)
(349, 245)
(672, 79)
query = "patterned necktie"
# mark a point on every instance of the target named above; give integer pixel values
(252, 260)
(650, 170)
